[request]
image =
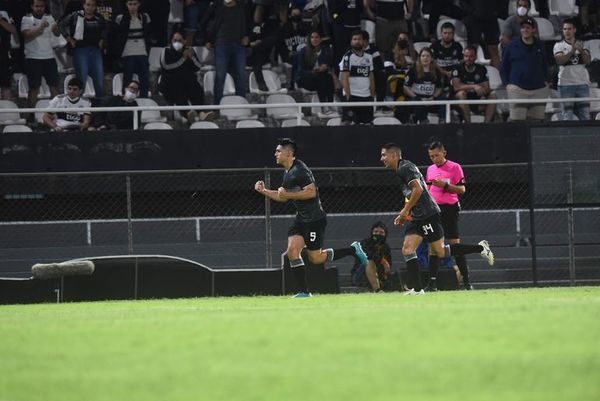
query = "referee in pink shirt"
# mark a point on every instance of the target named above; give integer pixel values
(446, 182)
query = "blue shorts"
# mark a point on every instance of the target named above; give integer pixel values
(423, 256)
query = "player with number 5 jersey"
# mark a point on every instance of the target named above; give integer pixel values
(422, 217)
(308, 229)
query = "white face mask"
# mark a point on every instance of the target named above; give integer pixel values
(177, 46)
(522, 11)
(129, 96)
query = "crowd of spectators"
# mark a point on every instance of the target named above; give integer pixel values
(405, 57)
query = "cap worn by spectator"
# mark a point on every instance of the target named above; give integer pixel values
(529, 21)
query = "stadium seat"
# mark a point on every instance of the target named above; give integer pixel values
(281, 113)
(293, 122)
(369, 26)
(157, 126)
(12, 118)
(420, 46)
(494, 77)
(594, 46)
(204, 125)
(595, 106)
(318, 110)
(176, 12)
(249, 124)
(41, 104)
(552, 107)
(481, 57)
(16, 128)
(64, 62)
(460, 30)
(386, 121)
(208, 82)
(23, 85)
(206, 57)
(117, 83)
(501, 93)
(271, 79)
(89, 86)
(597, 117)
(154, 59)
(243, 113)
(563, 8)
(150, 116)
(433, 118)
(546, 29)
(334, 122)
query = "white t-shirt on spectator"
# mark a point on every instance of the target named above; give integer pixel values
(70, 117)
(573, 72)
(41, 47)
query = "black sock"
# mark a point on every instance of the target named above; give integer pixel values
(343, 252)
(299, 270)
(434, 265)
(414, 275)
(461, 262)
(464, 249)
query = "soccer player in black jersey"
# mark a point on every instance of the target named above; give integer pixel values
(422, 217)
(308, 229)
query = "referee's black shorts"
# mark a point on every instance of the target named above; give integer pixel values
(449, 217)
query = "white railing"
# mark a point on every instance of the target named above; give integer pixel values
(446, 103)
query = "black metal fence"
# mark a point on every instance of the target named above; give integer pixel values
(214, 217)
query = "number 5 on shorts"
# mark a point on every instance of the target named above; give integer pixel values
(313, 236)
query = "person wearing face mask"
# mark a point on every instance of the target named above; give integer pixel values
(377, 272)
(292, 35)
(403, 53)
(511, 28)
(70, 119)
(119, 119)
(178, 81)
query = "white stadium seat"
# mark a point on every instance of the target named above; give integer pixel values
(249, 124)
(12, 118)
(293, 122)
(271, 79)
(16, 128)
(157, 126)
(281, 113)
(150, 116)
(204, 125)
(243, 113)
(386, 121)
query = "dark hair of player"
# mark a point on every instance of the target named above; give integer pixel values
(392, 146)
(379, 224)
(436, 145)
(288, 144)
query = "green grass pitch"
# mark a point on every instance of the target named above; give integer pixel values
(533, 344)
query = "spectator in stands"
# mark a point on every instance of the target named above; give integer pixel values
(313, 69)
(524, 71)
(377, 272)
(511, 28)
(119, 119)
(423, 82)
(56, 8)
(346, 16)
(389, 20)
(87, 32)
(482, 19)
(293, 35)
(263, 39)
(133, 44)
(70, 119)
(436, 8)
(470, 81)
(403, 53)
(158, 10)
(447, 52)
(192, 14)
(379, 73)
(38, 29)
(108, 9)
(573, 77)
(357, 81)
(277, 7)
(589, 13)
(228, 32)
(178, 80)
(7, 28)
